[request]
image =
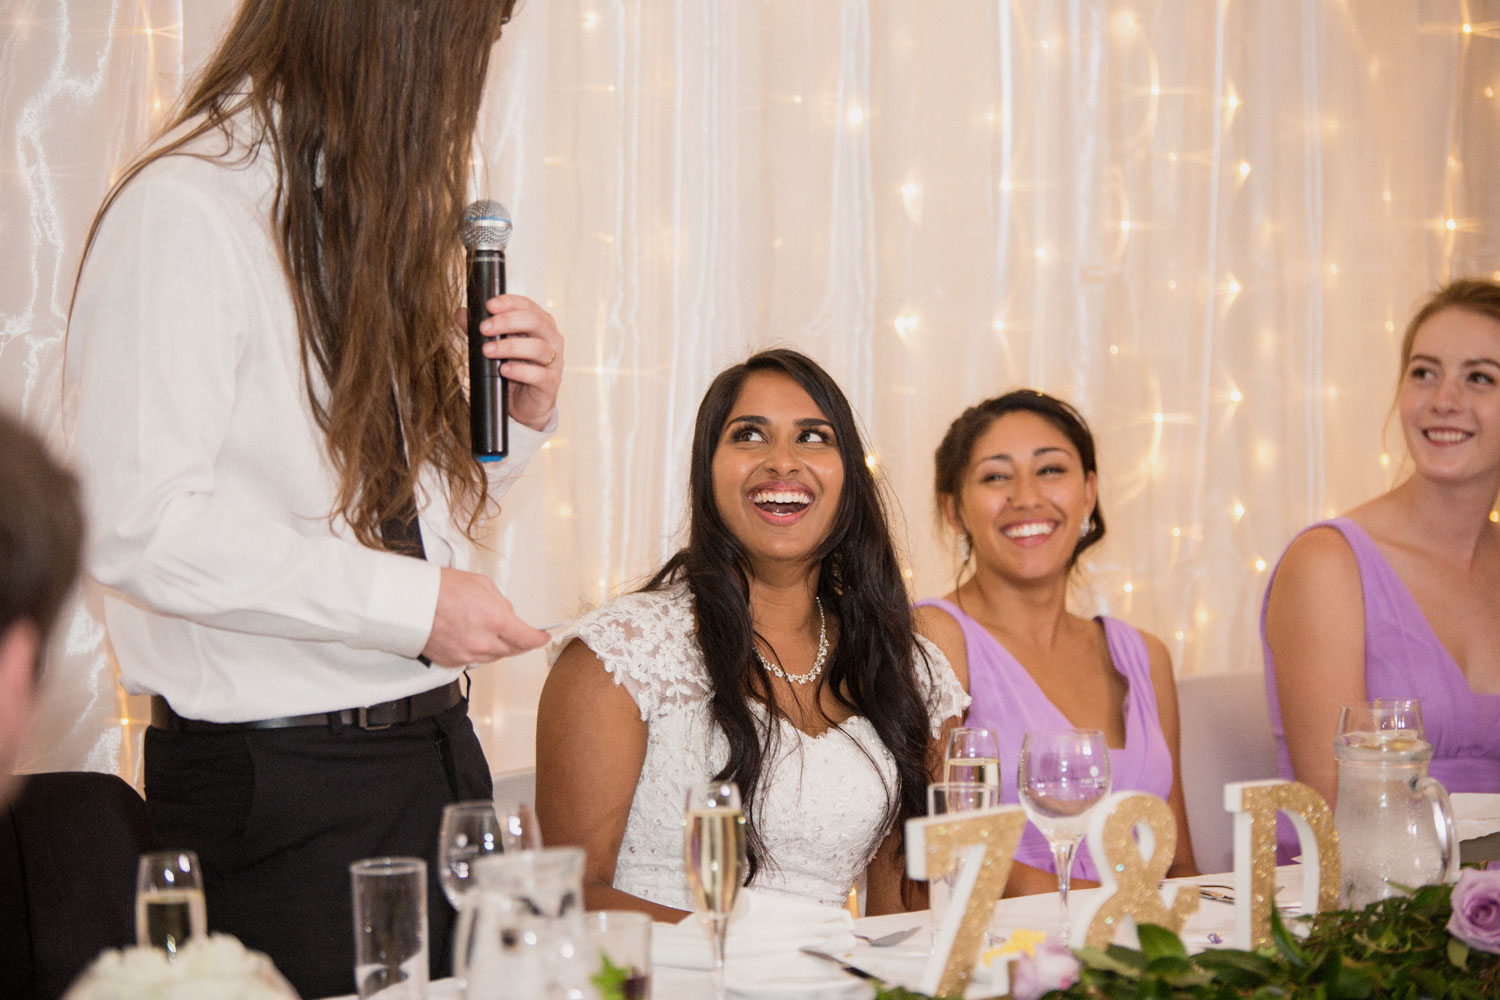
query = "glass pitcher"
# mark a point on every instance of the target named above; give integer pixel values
(1395, 823)
(520, 933)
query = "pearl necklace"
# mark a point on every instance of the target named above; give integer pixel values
(818, 661)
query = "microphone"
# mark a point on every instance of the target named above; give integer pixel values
(486, 232)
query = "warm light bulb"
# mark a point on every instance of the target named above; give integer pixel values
(1005, 185)
(796, 98)
(1244, 169)
(1495, 515)
(999, 325)
(1158, 418)
(1172, 157)
(871, 461)
(1238, 510)
(1155, 90)
(1114, 348)
(1260, 565)
(590, 21)
(855, 115)
(1233, 286)
(1124, 225)
(1235, 396)
(1450, 225)
(1385, 460)
(1179, 634)
(906, 325)
(1468, 29)
(1129, 587)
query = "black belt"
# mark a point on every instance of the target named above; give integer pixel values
(382, 716)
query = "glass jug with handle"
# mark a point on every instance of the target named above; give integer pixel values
(520, 933)
(1395, 823)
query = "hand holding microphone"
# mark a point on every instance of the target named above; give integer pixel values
(515, 349)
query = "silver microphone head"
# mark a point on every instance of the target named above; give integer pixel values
(486, 225)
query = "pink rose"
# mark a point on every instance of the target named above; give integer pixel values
(1051, 966)
(1476, 910)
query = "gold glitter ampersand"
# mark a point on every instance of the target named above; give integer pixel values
(1255, 805)
(1133, 838)
(979, 845)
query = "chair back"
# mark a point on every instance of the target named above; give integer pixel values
(69, 846)
(516, 786)
(1226, 736)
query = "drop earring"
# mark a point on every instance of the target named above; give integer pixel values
(1086, 527)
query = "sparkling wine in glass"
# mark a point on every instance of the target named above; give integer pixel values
(1063, 774)
(714, 854)
(169, 900)
(973, 756)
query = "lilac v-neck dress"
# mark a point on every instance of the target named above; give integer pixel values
(1007, 700)
(1405, 659)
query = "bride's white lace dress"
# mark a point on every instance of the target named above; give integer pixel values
(821, 798)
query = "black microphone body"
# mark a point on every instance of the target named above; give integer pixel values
(486, 231)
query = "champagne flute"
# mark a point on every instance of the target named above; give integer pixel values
(169, 901)
(973, 755)
(1063, 774)
(713, 851)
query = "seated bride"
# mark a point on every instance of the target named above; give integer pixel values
(776, 650)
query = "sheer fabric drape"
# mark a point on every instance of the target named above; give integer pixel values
(1204, 223)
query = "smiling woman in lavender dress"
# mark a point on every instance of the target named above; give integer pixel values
(1400, 597)
(1016, 479)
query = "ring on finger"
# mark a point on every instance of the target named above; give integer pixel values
(548, 362)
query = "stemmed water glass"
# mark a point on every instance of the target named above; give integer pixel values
(471, 830)
(1063, 774)
(973, 755)
(713, 851)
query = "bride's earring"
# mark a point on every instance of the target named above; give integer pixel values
(1086, 527)
(965, 547)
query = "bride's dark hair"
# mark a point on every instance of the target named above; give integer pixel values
(872, 669)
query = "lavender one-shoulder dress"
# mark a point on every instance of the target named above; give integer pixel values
(1405, 659)
(1008, 700)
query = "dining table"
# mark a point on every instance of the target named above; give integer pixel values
(903, 963)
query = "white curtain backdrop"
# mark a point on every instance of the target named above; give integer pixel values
(1203, 221)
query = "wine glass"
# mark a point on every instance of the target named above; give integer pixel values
(1063, 775)
(169, 900)
(947, 797)
(713, 851)
(973, 755)
(475, 828)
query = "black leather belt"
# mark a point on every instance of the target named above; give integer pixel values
(382, 716)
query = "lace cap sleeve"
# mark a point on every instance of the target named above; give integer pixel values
(646, 643)
(939, 685)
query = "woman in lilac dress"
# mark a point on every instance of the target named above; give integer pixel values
(1016, 480)
(1400, 598)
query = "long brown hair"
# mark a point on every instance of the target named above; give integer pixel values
(369, 109)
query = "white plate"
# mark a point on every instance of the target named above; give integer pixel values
(838, 986)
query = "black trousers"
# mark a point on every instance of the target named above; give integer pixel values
(277, 815)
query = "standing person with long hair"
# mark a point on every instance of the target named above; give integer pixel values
(1016, 479)
(272, 431)
(775, 650)
(1400, 597)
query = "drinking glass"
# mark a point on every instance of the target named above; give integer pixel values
(390, 928)
(622, 941)
(713, 850)
(169, 900)
(973, 755)
(474, 828)
(954, 797)
(1063, 775)
(1381, 721)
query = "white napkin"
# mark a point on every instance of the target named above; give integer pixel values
(1476, 814)
(764, 924)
